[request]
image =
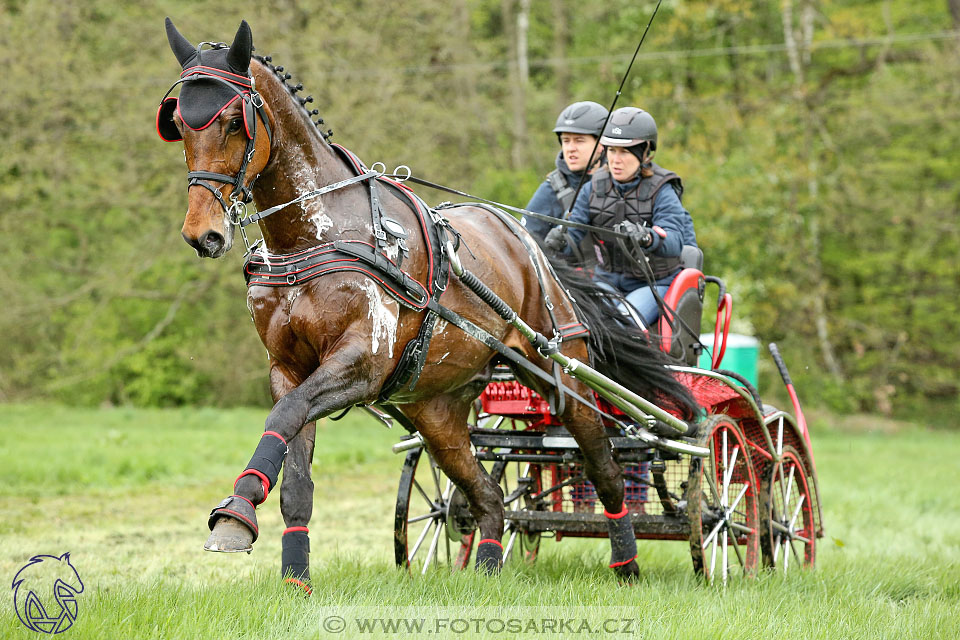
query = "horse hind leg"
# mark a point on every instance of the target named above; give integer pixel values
(442, 421)
(605, 474)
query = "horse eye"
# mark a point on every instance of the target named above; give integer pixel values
(235, 125)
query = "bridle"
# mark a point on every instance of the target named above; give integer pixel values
(245, 89)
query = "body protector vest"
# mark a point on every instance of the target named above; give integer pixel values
(609, 208)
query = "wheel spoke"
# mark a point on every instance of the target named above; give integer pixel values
(742, 528)
(423, 493)
(711, 535)
(742, 493)
(509, 547)
(725, 566)
(776, 549)
(711, 481)
(432, 551)
(713, 558)
(736, 548)
(796, 555)
(723, 487)
(786, 504)
(801, 538)
(432, 514)
(729, 473)
(435, 472)
(780, 436)
(780, 527)
(446, 540)
(786, 556)
(796, 512)
(420, 539)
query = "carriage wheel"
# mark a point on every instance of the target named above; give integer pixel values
(722, 495)
(433, 527)
(788, 539)
(520, 482)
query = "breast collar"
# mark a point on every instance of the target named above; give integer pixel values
(369, 258)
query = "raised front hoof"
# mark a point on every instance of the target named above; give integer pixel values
(229, 536)
(627, 572)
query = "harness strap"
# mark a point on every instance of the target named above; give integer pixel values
(307, 196)
(486, 338)
(531, 214)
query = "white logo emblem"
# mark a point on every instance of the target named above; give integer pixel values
(568, 122)
(617, 130)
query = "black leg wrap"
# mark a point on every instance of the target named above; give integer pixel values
(238, 508)
(489, 557)
(296, 555)
(268, 458)
(623, 543)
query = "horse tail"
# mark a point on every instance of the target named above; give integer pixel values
(619, 349)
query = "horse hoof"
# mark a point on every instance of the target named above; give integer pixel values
(628, 572)
(229, 536)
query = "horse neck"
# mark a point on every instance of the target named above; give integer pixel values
(301, 161)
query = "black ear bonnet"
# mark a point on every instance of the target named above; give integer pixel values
(212, 80)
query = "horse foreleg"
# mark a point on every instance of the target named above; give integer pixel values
(342, 380)
(442, 421)
(605, 474)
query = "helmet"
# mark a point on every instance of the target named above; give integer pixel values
(582, 117)
(629, 126)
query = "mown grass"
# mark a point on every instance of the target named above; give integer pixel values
(127, 493)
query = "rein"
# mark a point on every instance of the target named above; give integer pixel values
(533, 214)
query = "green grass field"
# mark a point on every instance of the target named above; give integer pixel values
(127, 493)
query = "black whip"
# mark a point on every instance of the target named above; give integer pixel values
(586, 169)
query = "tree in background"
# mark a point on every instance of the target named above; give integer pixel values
(817, 140)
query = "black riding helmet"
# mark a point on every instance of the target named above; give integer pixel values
(628, 127)
(581, 117)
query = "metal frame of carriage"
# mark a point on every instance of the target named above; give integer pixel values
(752, 502)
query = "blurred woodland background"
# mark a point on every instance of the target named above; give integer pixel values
(817, 140)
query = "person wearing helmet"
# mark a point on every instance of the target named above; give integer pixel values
(578, 127)
(628, 196)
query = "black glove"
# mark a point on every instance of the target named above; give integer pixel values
(556, 240)
(640, 235)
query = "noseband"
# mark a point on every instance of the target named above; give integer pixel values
(245, 88)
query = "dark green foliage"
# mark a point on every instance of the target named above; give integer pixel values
(829, 202)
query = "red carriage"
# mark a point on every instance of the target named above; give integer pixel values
(752, 502)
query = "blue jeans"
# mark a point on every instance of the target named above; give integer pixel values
(642, 300)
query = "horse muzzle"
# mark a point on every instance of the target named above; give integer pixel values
(212, 243)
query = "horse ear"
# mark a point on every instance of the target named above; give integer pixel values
(238, 58)
(180, 45)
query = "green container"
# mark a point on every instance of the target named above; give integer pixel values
(740, 357)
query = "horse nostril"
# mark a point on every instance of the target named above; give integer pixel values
(212, 242)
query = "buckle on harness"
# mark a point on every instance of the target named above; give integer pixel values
(291, 278)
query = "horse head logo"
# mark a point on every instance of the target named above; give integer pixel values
(45, 593)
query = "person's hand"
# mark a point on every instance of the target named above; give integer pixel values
(556, 240)
(640, 235)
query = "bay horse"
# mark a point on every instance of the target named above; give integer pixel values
(337, 340)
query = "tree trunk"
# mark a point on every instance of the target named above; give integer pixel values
(798, 42)
(954, 6)
(516, 41)
(561, 28)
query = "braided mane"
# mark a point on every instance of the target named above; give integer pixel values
(294, 89)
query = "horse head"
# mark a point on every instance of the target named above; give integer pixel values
(218, 116)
